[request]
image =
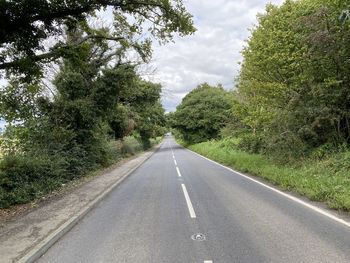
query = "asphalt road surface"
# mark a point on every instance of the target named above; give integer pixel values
(180, 207)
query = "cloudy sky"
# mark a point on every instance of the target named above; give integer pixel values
(212, 53)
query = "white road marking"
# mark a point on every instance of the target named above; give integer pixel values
(175, 162)
(172, 152)
(293, 198)
(208, 261)
(188, 201)
(178, 172)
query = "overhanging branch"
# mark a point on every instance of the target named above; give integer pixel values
(55, 53)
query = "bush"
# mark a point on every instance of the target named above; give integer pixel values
(131, 145)
(251, 143)
(24, 178)
(286, 147)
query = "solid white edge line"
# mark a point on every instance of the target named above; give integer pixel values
(178, 172)
(188, 201)
(293, 198)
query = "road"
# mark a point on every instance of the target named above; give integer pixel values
(167, 206)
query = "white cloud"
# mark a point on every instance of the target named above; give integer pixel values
(212, 53)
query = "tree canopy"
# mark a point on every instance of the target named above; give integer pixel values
(31, 31)
(292, 91)
(202, 113)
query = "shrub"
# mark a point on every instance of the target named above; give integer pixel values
(131, 145)
(250, 142)
(23, 178)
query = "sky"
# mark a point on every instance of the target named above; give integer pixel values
(212, 54)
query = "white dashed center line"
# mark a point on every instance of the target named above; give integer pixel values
(178, 172)
(188, 201)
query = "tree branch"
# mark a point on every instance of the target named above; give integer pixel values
(54, 53)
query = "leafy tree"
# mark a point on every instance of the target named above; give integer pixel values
(202, 113)
(292, 89)
(91, 101)
(121, 121)
(64, 135)
(170, 120)
(18, 101)
(271, 71)
(327, 100)
(148, 110)
(27, 24)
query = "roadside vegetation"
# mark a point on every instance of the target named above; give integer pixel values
(74, 101)
(289, 114)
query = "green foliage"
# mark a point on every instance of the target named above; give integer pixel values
(131, 145)
(202, 113)
(64, 136)
(30, 175)
(23, 178)
(149, 112)
(121, 122)
(169, 120)
(17, 101)
(26, 24)
(292, 93)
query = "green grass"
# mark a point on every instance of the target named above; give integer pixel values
(326, 180)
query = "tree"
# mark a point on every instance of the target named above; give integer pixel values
(96, 96)
(27, 24)
(149, 112)
(91, 100)
(327, 100)
(202, 113)
(292, 89)
(170, 120)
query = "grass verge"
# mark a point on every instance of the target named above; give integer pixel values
(326, 180)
